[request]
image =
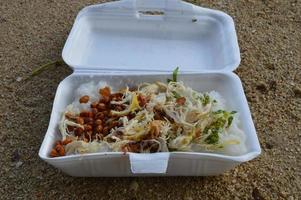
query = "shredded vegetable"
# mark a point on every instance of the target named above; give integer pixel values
(156, 117)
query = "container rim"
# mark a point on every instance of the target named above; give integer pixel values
(214, 156)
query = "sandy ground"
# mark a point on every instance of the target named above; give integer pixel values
(33, 32)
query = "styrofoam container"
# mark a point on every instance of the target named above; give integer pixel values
(121, 44)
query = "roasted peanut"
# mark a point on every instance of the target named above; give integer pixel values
(198, 133)
(94, 111)
(131, 147)
(88, 127)
(60, 149)
(84, 99)
(105, 92)
(99, 128)
(142, 100)
(101, 106)
(116, 96)
(88, 120)
(78, 131)
(105, 130)
(94, 104)
(130, 116)
(70, 128)
(86, 114)
(113, 124)
(105, 100)
(66, 141)
(54, 153)
(106, 113)
(119, 108)
(80, 120)
(99, 115)
(98, 122)
(154, 131)
(157, 116)
(181, 100)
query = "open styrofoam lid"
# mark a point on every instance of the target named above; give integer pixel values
(152, 35)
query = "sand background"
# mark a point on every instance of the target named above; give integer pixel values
(33, 32)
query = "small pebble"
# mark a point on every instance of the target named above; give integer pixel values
(297, 91)
(261, 13)
(252, 98)
(188, 198)
(19, 164)
(16, 156)
(19, 79)
(292, 83)
(257, 195)
(270, 66)
(2, 19)
(134, 186)
(273, 85)
(268, 145)
(261, 86)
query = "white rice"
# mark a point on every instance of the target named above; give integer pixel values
(92, 90)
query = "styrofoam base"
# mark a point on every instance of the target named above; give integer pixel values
(180, 163)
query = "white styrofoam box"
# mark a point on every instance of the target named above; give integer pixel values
(120, 40)
(121, 44)
(180, 163)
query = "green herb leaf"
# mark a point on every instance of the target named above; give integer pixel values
(213, 137)
(176, 95)
(218, 112)
(175, 74)
(40, 69)
(219, 123)
(233, 112)
(230, 119)
(205, 99)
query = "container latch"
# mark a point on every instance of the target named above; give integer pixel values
(143, 163)
(161, 7)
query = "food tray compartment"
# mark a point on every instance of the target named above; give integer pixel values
(180, 163)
